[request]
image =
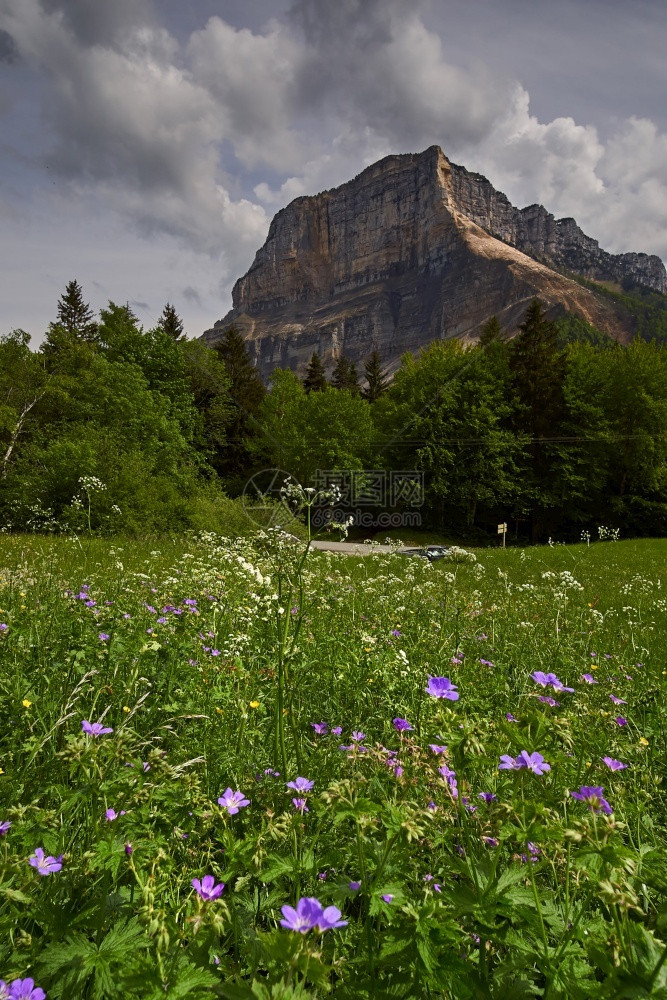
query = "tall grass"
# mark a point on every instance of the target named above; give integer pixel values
(456, 878)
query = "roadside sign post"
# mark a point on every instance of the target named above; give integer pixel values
(502, 530)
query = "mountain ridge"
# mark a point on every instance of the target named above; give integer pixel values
(414, 249)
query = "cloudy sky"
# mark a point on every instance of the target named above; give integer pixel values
(146, 144)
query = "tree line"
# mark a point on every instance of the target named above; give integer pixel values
(109, 426)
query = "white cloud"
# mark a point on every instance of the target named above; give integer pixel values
(616, 190)
(251, 78)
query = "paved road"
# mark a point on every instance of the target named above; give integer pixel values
(353, 548)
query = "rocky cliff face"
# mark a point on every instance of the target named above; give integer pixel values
(558, 243)
(412, 250)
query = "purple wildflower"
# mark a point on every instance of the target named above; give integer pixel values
(320, 728)
(300, 805)
(337, 730)
(395, 632)
(24, 989)
(4, 827)
(436, 748)
(617, 701)
(45, 865)
(354, 886)
(507, 763)
(3, 626)
(95, 728)
(207, 888)
(128, 850)
(534, 762)
(549, 680)
(110, 815)
(301, 785)
(487, 796)
(620, 721)
(540, 678)
(614, 765)
(104, 636)
(486, 663)
(401, 725)
(233, 801)
(450, 778)
(549, 701)
(442, 687)
(588, 678)
(491, 841)
(387, 897)
(593, 796)
(309, 915)
(534, 853)
(358, 736)
(510, 717)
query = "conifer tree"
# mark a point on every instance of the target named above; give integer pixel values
(74, 327)
(74, 315)
(246, 390)
(490, 332)
(376, 380)
(315, 379)
(171, 323)
(537, 368)
(345, 376)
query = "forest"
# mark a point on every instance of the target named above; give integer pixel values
(109, 427)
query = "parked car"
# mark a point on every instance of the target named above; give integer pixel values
(430, 552)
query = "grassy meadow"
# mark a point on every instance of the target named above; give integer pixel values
(246, 710)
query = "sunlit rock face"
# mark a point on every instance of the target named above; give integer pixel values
(414, 249)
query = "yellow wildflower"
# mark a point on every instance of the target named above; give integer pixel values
(643, 741)
(126, 708)
(26, 703)
(254, 704)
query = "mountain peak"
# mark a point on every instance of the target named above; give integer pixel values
(415, 248)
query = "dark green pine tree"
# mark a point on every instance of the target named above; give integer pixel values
(74, 326)
(74, 315)
(345, 376)
(376, 380)
(490, 332)
(245, 437)
(315, 380)
(171, 323)
(537, 370)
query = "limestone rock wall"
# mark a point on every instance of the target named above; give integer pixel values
(412, 250)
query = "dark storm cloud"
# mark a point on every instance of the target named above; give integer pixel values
(376, 63)
(102, 22)
(8, 50)
(599, 61)
(159, 112)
